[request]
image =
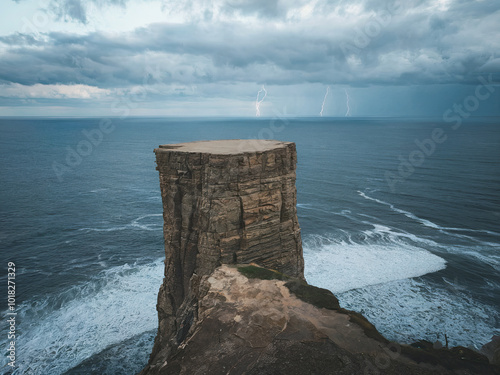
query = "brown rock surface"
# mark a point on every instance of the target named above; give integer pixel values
(251, 326)
(228, 202)
(260, 327)
(224, 202)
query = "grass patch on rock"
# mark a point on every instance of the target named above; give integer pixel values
(254, 272)
(319, 297)
(458, 358)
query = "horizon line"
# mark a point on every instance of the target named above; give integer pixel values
(321, 118)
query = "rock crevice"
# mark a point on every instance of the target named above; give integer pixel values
(224, 202)
(227, 204)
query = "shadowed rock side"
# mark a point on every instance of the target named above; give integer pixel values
(223, 202)
(230, 203)
(282, 325)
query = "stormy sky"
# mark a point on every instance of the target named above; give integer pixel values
(249, 57)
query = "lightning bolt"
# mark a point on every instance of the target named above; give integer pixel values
(347, 103)
(258, 102)
(324, 100)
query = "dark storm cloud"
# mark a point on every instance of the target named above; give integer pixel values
(112, 61)
(73, 9)
(263, 8)
(413, 45)
(77, 9)
(473, 9)
(19, 39)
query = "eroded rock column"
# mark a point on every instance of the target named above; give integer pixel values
(227, 201)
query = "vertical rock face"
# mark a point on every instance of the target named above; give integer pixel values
(228, 201)
(235, 202)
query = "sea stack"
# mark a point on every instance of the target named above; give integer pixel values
(224, 202)
(234, 299)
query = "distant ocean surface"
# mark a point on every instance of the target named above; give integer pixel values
(418, 256)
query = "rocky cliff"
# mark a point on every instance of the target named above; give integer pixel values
(224, 202)
(230, 203)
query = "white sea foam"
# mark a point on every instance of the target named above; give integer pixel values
(60, 332)
(137, 223)
(303, 205)
(388, 234)
(429, 223)
(408, 214)
(341, 265)
(99, 190)
(376, 275)
(479, 254)
(447, 230)
(485, 252)
(410, 310)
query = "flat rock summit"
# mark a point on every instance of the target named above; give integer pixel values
(234, 299)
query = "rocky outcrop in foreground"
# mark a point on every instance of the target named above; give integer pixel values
(256, 321)
(231, 203)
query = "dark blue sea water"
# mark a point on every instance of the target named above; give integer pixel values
(415, 249)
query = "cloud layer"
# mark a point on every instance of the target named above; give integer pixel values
(230, 49)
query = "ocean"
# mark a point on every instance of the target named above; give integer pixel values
(399, 217)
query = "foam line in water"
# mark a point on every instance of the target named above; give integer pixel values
(388, 234)
(408, 214)
(341, 265)
(154, 226)
(481, 254)
(485, 252)
(99, 190)
(134, 224)
(344, 213)
(60, 332)
(426, 222)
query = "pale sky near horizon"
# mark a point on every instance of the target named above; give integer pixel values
(247, 58)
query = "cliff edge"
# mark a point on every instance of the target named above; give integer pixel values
(234, 299)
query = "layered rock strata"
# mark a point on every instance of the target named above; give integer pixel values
(224, 202)
(229, 203)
